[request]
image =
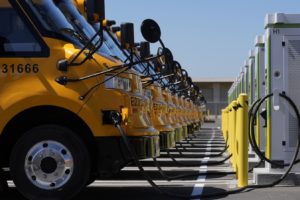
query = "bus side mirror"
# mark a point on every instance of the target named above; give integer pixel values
(164, 61)
(184, 77)
(197, 90)
(165, 56)
(144, 50)
(176, 71)
(127, 35)
(150, 31)
(94, 9)
(100, 9)
(161, 69)
(190, 82)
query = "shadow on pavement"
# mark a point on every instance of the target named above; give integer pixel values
(136, 175)
(188, 163)
(132, 193)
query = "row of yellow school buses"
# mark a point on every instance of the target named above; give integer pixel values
(69, 77)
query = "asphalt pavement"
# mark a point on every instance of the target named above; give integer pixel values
(200, 157)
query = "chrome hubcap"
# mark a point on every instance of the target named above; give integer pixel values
(49, 165)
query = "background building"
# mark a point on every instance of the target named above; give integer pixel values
(215, 92)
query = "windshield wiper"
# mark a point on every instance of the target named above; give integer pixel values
(115, 57)
(75, 34)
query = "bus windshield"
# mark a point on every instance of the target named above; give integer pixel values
(63, 18)
(118, 52)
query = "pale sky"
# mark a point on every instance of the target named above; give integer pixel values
(210, 38)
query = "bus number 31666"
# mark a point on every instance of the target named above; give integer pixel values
(20, 68)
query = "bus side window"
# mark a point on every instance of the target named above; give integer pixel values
(15, 37)
(3, 41)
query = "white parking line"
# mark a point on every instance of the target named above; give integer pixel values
(198, 188)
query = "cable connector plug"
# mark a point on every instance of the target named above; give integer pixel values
(63, 80)
(116, 118)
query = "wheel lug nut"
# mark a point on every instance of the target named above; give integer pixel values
(64, 152)
(30, 158)
(67, 171)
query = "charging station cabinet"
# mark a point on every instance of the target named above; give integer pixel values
(251, 84)
(283, 72)
(247, 82)
(260, 83)
(242, 80)
(246, 77)
(229, 95)
(235, 88)
(240, 84)
(282, 67)
(252, 97)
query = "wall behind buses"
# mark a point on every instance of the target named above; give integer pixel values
(215, 92)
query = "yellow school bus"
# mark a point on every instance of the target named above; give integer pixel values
(59, 87)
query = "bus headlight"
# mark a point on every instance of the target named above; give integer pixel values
(118, 83)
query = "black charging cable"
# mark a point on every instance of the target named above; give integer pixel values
(251, 130)
(170, 178)
(214, 163)
(250, 115)
(181, 151)
(116, 117)
(186, 175)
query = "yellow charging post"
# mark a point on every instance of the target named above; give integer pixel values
(233, 141)
(232, 133)
(225, 129)
(223, 122)
(229, 127)
(241, 148)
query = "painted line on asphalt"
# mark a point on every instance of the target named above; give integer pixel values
(198, 188)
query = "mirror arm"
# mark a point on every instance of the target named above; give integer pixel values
(64, 80)
(151, 75)
(162, 43)
(146, 69)
(184, 89)
(157, 79)
(173, 84)
(166, 76)
(128, 56)
(99, 33)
